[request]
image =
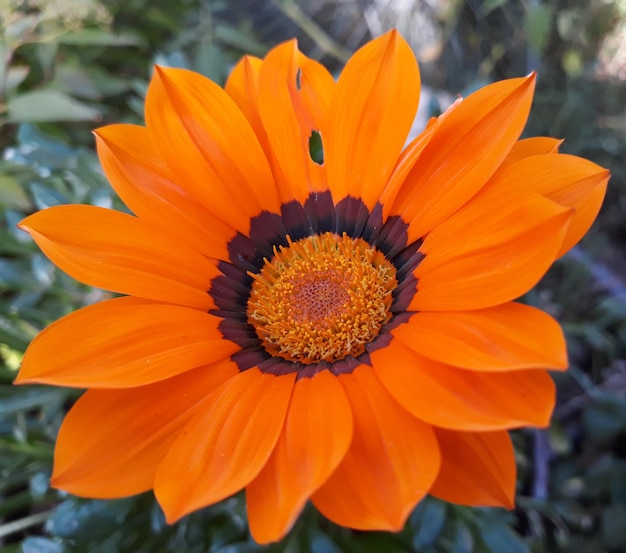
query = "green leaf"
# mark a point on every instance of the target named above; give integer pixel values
(39, 484)
(41, 545)
(11, 273)
(15, 334)
(46, 53)
(76, 82)
(90, 520)
(14, 400)
(463, 540)
(15, 75)
(40, 151)
(45, 197)
(613, 527)
(500, 538)
(600, 476)
(321, 543)
(431, 519)
(98, 37)
(48, 105)
(5, 54)
(538, 25)
(12, 194)
(243, 41)
(490, 5)
(605, 418)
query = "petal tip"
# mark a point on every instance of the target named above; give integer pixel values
(102, 133)
(21, 380)
(165, 74)
(56, 482)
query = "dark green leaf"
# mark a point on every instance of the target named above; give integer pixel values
(321, 543)
(13, 400)
(614, 526)
(88, 520)
(605, 418)
(463, 540)
(430, 522)
(500, 538)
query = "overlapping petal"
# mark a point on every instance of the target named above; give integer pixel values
(536, 146)
(499, 338)
(408, 158)
(465, 150)
(122, 343)
(120, 253)
(489, 253)
(112, 441)
(208, 143)
(391, 464)
(242, 86)
(146, 185)
(567, 180)
(477, 469)
(316, 436)
(459, 399)
(295, 93)
(226, 444)
(372, 112)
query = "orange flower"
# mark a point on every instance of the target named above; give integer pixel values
(339, 330)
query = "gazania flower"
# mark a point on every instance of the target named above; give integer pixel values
(311, 310)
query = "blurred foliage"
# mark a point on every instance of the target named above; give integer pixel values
(66, 67)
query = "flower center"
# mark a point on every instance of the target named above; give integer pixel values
(321, 298)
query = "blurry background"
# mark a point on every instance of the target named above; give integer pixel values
(67, 66)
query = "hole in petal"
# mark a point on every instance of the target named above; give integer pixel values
(316, 148)
(299, 79)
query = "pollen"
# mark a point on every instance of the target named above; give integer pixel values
(321, 298)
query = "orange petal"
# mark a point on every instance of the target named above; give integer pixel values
(120, 253)
(455, 398)
(147, 187)
(294, 99)
(317, 434)
(112, 441)
(535, 146)
(122, 343)
(465, 150)
(477, 469)
(585, 212)
(499, 338)
(391, 464)
(489, 253)
(227, 443)
(243, 87)
(209, 145)
(405, 163)
(373, 110)
(567, 180)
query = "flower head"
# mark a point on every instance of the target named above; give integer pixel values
(335, 327)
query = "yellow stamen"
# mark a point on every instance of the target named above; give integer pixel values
(321, 298)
